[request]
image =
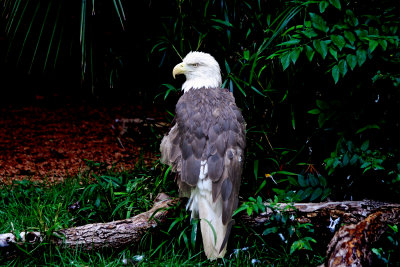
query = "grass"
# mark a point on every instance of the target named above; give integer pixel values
(102, 195)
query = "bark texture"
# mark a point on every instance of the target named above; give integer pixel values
(351, 244)
(364, 223)
(101, 235)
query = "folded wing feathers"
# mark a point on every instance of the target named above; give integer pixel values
(209, 127)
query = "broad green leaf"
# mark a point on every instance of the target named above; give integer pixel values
(314, 111)
(335, 3)
(301, 180)
(321, 47)
(285, 60)
(342, 67)
(297, 245)
(246, 55)
(316, 194)
(350, 37)
(292, 181)
(327, 192)
(310, 33)
(370, 126)
(322, 180)
(365, 145)
(351, 60)
(354, 159)
(335, 73)
(345, 160)
(372, 45)
(313, 180)
(309, 53)
(361, 33)
(270, 230)
(322, 6)
(333, 52)
(383, 44)
(290, 42)
(361, 56)
(322, 105)
(350, 18)
(307, 193)
(339, 41)
(294, 55)
(318, 22)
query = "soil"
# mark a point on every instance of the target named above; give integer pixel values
(53, 141)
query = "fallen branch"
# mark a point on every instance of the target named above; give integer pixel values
(101, 235)
(365, 222)
(351, 245)
(325, 214)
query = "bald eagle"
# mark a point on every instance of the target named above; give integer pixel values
(205, 147)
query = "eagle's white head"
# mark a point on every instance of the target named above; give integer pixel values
(200, 69)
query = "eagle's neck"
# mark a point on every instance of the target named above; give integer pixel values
(197, 83)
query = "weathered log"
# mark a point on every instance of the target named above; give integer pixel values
(351, 244)
(101, 235)
(367, 219)
(346, 211)
(365, 222)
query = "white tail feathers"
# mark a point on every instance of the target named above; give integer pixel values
(213, 231)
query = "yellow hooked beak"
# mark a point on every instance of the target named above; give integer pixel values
(179, 69)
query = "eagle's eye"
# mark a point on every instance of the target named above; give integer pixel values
(195, 65)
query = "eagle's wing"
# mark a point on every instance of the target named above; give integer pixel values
(206, 144)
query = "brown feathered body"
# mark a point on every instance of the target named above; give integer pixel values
(205, 147)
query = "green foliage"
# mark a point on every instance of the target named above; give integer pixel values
(346, 154)
(43, 35)
(350, 40)
(303, 73)
(292, 234)
(391, 241)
